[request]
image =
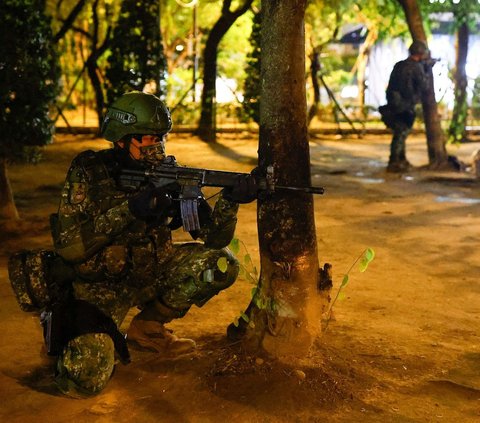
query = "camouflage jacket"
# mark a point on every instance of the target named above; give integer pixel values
(95, 230)
(408, 81)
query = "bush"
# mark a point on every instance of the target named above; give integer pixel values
(28, 76)
(136, 57)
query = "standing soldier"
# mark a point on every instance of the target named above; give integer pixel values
(118, 241)
(407, 83)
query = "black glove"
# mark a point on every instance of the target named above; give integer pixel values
(152, 202)
(244, 191)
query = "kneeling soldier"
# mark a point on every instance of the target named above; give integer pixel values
(118, 242)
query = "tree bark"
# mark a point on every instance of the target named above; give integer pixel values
(437, 153)
(8, 210)
(206, 128)
(287, 308)
(458, 124)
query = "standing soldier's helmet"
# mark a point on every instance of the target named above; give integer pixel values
(418, 47)
(136, 113)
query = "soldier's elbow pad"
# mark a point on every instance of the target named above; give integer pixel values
(221, 238)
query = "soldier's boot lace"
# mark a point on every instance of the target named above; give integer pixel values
(154, 336)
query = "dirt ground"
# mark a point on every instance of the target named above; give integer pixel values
(405, 342)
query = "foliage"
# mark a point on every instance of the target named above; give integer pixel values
(340, 63)
(136, 56)
(464, 11)
(234, 48)
(28, 75)
(251, 102)
(363, 261)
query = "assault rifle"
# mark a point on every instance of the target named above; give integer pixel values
(189, 182)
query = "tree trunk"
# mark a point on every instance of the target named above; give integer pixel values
(206, 128)
(92, 70)
(286, 310)
(8, 210)
(361, 69)
(437, 153)
(92, 66)
(458, 124)
(314, 69)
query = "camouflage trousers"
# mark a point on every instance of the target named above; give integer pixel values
(189, 276)
(397, 147)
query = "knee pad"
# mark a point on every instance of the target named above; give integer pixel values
(86, 364)
(221, 280)
(206, 282)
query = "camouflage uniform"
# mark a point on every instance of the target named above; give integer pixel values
(407, 82)
(121, 262)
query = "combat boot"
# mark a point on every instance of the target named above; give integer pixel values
(154, 336)
(399, 166)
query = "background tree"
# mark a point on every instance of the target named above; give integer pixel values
(382, 22)
(87, 43)
(68, 21)
(206, 126)
(286, 309)
(251, 102)
(458, 125)
(437, 153)
(28, 85)
(324, 19)
(136, 51)
(97, 48)
(465, 17)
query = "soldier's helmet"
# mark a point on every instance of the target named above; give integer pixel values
(136, 113)
(418, 47)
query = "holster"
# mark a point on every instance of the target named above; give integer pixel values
(65, 321)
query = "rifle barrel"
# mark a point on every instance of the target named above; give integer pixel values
(311, 190)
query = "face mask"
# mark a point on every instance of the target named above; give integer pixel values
(153, 153)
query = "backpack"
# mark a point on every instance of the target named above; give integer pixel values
(39, 278)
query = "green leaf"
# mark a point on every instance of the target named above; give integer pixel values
(259, 302)
(248, 260)
(341, 296)
(254, 291)
(367, 257)
(234, 245)
(235, 322)
(369, 254)
(344, 281)
(222, 264)
(242, 272)
(244, 317)
(250, 278)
